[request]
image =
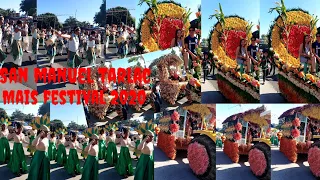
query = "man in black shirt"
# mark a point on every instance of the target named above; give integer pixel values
(190, 44)
(253, 50)
(316, 48)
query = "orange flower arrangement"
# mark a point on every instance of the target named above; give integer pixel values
(231, 150)
(289, 148)
(166, 142)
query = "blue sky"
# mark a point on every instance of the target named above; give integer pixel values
(67, 113)
(248, 9)
(10, 4)
(131, 5)
(278, 109)
(312, 6)
(83, 10)
(26, 109)
(192, 4)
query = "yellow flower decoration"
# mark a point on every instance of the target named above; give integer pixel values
(199, 108)
(5, 121)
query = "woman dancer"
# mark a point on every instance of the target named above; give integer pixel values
(84, 154)
(74, 60)
(124, 164)
(137, 151)
(35, 42)
(52, 151)
(145, 165)
(60, 45)
(17, 162)
(91, 55)
(51, 47)
(26, 37)
(305, 54)
(16, 47)
(61, 157)
(4, 144)
(98, 46)
(42, 37)
(102, 145)
(40, 164)
(112, 154)
(32, 134)
(73, 163)
(91, 166)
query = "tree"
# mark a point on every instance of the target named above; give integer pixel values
(29, 117)
(44, 109)
(29, 6)
(56, 124)
(18, 115)
(119, 15)
(48, 20)
(71, 22)
(100, 17)
(83, 24)
(7, 12)
(3, 114)
(264, 38)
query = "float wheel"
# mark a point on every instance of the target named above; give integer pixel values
(314, 159)
(260, 160)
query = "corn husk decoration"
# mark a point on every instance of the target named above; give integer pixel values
(110, 127)
(43, 120)
(90, 131)
(144, 127)
(4, 121)
(61, 131)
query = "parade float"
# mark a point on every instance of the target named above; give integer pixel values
(301, 135)
(196, 136)
(38, 121)
(296, 83)
(233, 83)
(246, 134)
(159, 23)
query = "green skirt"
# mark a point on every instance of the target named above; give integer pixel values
(4, 150)
(83, 153)
(61, 157)
(91, 55)
(102, 149)
(30, 147)
(3, 56)
(73, 163)
(90, 168)
(145, 168)
(112, 154)
(35, 45)
(17, 162)
(124, 164)
(52, 151)
(74, 60)
(16, 49)
(40, 166)
(136, 151)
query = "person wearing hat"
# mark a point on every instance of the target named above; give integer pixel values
(73, 163)
(52, 151)
(145, 165)
(264, 65)
(32, 134)
(4, 143)
(91, 166)
(84, 154)
(61, 157)
(17, 163)
(102, 145)
(124, 164)
(40, 164)
(112, 153)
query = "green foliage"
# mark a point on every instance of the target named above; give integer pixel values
(100, 17)
(48, 20)
(29, 6)
(44, 109)
(3, 114)
(119, 15)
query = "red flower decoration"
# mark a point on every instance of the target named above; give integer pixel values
(233, 41)
(296, 122)
(237, 136)
(174, 127)
(295, 133)
(238, 126)
(268, 130)
(175, 116)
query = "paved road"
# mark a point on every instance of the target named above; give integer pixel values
(210, 91)
(111, 53)
(226, 169)
(166, 169)
(283, 169)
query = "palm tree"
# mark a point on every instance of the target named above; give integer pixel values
(136, 59)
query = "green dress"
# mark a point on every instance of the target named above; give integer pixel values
(4, 150)
(18, 159)
(136, 151)
(124, 164)
(73, 163)
(90, 168)
(83, 153)
(145, 168)
(52, 151)
(30, 148)
(112, 154)
(91, 55)
(61, 157)
(40, 166)
(102, 149)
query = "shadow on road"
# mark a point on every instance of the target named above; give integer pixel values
(272, 98)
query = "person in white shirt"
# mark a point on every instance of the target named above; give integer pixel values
(25, 37)
(16, 49)
(40, 164)
(3, 56)
(60, 44)
(91, 166)
(73, 164)
(4, 144)
(108, 33)
(98, 45)
(35, 42)
(51, 47)
(73, 54)
(91, 55)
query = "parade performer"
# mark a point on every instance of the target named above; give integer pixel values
(4, 144)
(112, 154)
(51, 47)
(25, 38)
(145, 165)
(52, 151)
(98, 45)
(16, 47)
(102, 145)
(124, 164)
(84, 154)
(91, 166)
(74, 60)
(73, 163)
(137, 152)
(35, 42)
(42, 36)
(32, 135)
(91, 55)
(3, 56)
(40, 164)
(17, 162)
(61, 158)
(60, 44)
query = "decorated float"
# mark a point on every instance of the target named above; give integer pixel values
(247, 134)
(301, 135)
(296, 82)
(233, 83)
(196, 135)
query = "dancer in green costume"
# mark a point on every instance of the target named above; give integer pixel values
(102, 145)
(124, 164)
(61, 157)
(91, 166)
(52, 151)
(112, 153)
(84, 154)
(17, 162)
(32, 134)
(73, 163)
(145, 165)
(4, 143)
(40, 164)
(137, 152)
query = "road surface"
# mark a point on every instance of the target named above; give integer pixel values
(226, 169)
(210, 91)
(166, 169)
(283, 169)
(111, 53)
